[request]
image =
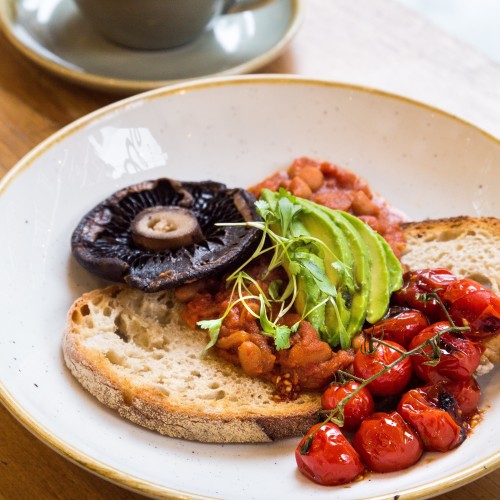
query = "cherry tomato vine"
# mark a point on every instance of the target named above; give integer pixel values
(336, 415)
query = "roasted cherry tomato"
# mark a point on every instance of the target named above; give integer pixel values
(436, 427)
(416, 283)
(458, 360)
(386, 443)
(400, 325)
(356, 409)
(368, 364)
(460, 288)
(473, 305)
(466, 393)
(330, 459)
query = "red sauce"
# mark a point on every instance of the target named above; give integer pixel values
(337, 188)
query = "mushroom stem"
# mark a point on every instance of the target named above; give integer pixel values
(165, 227)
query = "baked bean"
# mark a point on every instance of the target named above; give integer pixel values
(254, 360)
(301, 163)
(312, 176)
(299, 187)
(358, 341)
(273, 183)
(233, 340)
(252, 306)
(362, 205)
(344, 178)
(336, 200)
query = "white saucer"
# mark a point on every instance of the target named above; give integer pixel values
(53, 34)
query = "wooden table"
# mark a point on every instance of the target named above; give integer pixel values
(375, 43)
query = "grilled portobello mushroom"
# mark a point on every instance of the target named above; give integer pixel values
(162, 233)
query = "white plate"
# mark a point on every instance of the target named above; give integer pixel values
(54, 34)
(237, 131)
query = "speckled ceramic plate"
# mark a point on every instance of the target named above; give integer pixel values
(53, 34)
(236, 131)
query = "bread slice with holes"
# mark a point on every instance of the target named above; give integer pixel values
(467, 246)
(133, 353)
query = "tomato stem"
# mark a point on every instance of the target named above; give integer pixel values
(432, 342)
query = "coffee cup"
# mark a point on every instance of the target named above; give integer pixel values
(157, 24)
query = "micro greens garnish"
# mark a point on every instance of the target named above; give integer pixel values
(301, 255)
(336, 415)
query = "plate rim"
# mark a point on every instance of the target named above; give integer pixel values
(129, 86)
(125, 479)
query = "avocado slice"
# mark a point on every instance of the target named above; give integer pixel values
(339, 263)
(362, 263)
(376, 279)
(387, 272)
(380, 282)
(394, 266)
(332, 257)
(345, 270)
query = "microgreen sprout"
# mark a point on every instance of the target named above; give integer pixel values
(301, 255)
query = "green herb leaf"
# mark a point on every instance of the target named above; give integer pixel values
(266, 325)
(263, 208)
(286, 211)
(281, 333)
(213, 326)
(289, 290)
(282, 337)
(318, 274)
(274, 289)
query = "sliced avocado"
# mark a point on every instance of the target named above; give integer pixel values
(345, 270)
(309, 294)
(361, 274)
(380, 283)
(339, 262)
(336, 262)
(394, 266)
(387, 272)
(361, 264)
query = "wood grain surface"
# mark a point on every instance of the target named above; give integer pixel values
(375, 43)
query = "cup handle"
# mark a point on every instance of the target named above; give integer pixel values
(233, 6)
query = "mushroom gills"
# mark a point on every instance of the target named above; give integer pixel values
(165, 227)
(105, 243)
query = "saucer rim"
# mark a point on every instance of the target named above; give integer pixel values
(130, 86)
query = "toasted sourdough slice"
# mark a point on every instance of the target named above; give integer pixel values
(467, 246)
(131, 350)
(133, 353)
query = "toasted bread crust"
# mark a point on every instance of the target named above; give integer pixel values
(235, 417)
(467, 246)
